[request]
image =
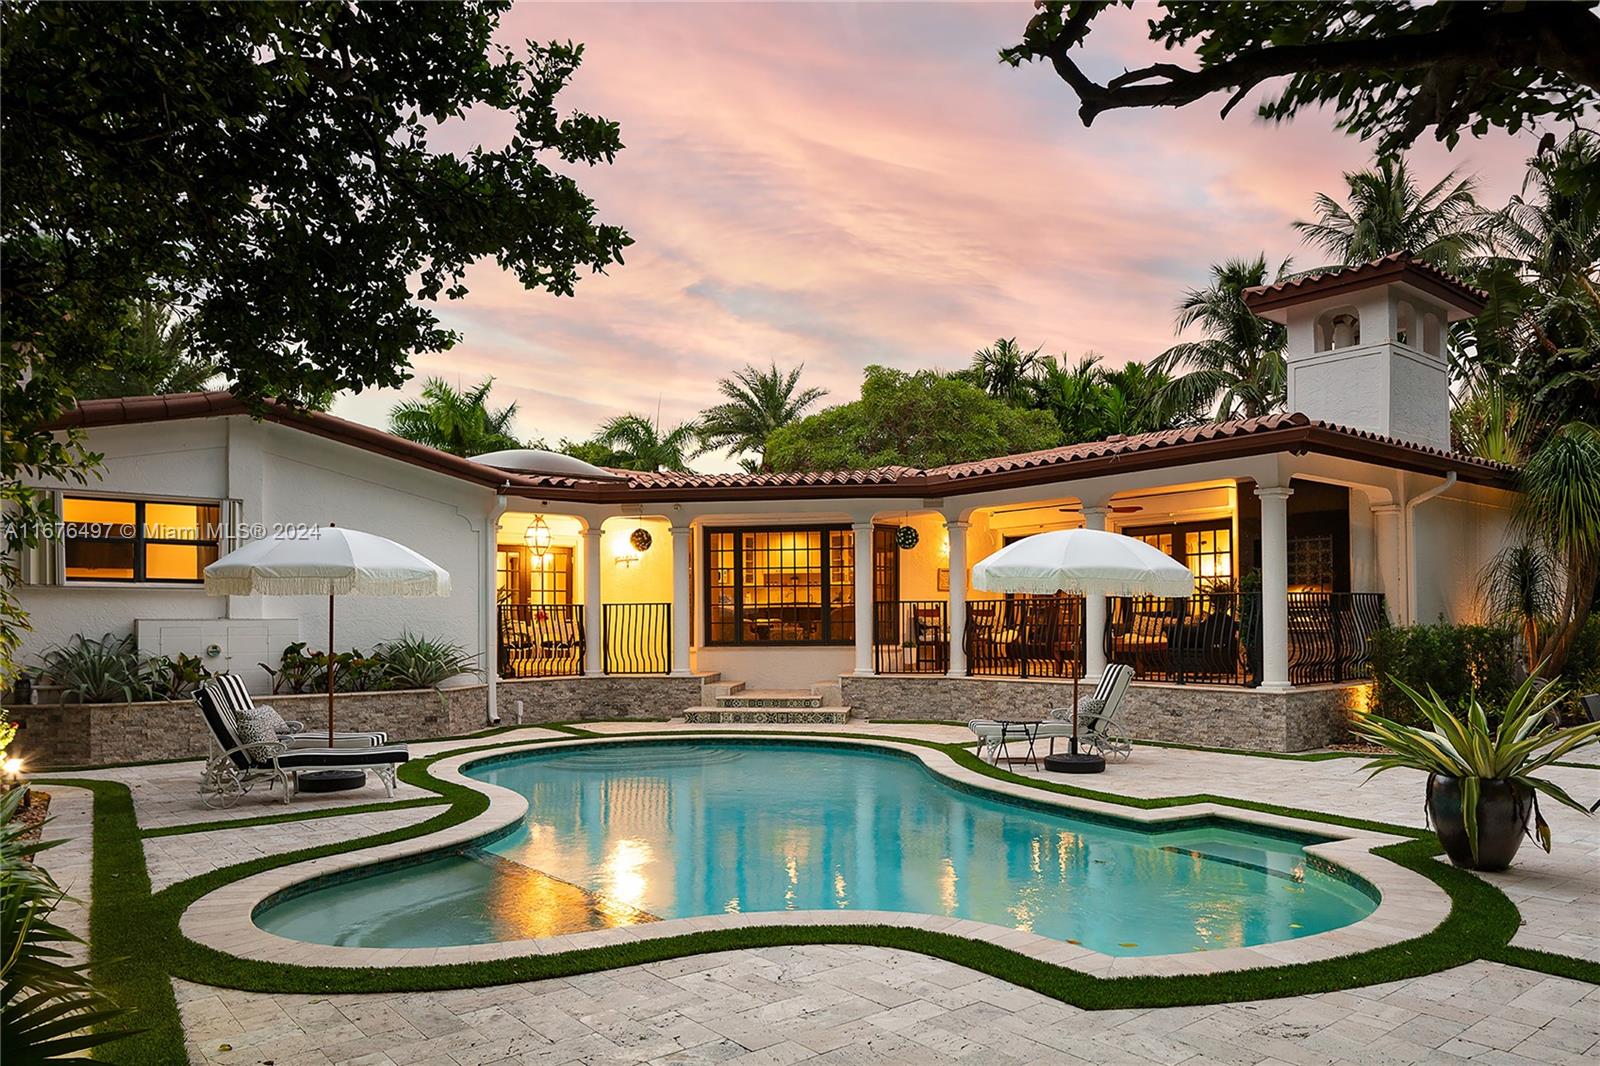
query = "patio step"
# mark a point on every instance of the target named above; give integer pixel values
(766, 715)
(770, 698)
(715, 690)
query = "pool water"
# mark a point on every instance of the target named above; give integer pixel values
(618, 834)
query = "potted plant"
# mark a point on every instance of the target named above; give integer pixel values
(1481, 790)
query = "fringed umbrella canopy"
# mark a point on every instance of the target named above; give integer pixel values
(326, 561)
(1089, 562)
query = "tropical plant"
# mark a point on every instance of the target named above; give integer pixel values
(1239, 365)
(1523, 740)
(1388, 213)
(637, 443)
(1459, 661)
(917, 420)
(1074, 394)
(149, 357)
(96, 671)
(758, 403)
(1005, 371)
(167, 677)
(1557, 514)
(49, 1009)
(1488, 421)
(411, 661)
(454, 420)
(1520, 586)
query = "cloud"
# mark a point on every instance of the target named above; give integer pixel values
(841, 184)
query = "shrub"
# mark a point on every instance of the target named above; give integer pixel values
(300, 671)
(1455, 660)
(96, 671)
(420, 662)
(167, 678)
(1583, 668)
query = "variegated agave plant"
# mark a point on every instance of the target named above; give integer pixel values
(1526, 740)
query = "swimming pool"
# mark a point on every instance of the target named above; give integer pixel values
(619, 834)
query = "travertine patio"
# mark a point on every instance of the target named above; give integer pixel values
(847, 1004)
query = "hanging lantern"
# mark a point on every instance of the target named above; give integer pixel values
(906, 538)
(641, 540)
(537, 537)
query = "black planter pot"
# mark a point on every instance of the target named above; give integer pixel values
(1504, 808)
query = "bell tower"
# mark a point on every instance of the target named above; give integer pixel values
(1368, 345)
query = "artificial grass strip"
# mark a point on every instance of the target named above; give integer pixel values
(1547, 962)
(128, 949)
(291, 816)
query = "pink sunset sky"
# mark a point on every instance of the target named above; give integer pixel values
(845, 184)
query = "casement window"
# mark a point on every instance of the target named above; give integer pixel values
(780, 585)
(127, 539)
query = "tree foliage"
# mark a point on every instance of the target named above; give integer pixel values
(757, 403)
(1387, 212)
(154, 359)
(455, 420)
(634, 442)
(918, 420)
(272, 172)
(1238, 365)
(1390, 70)
(1006, 371)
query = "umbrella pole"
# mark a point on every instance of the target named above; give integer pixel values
(1076, 670)
(330, 675)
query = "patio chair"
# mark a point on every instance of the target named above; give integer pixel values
(233, 700)
(990, 738)
(239, 764)
(1099, 732)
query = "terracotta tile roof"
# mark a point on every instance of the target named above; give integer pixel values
(1173, 447)
(1395, 266)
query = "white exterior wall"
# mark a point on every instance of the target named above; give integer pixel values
(1454, 539)
(780, 667)
(277, 475)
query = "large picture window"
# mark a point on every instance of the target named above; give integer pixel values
(780, 586)
(156, 541)
(1206, 548)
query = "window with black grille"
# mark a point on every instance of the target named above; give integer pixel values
(780, 585)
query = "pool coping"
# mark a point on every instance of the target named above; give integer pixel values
(1409, 905)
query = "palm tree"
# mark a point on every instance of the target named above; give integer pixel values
(637, 443)
(455, 421)
(1239, 365)
(758, 403)
(1073, 394)
(1136, 399)
(153, 359)
(1388, 213)
(1004, 371)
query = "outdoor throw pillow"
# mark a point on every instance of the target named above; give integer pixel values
(276, 720)
(1090, 711)
(256, 728)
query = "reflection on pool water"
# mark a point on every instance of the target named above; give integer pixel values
(623, 833)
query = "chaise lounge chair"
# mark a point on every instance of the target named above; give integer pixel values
(1099, 732)
(247, 754)
(234, 701)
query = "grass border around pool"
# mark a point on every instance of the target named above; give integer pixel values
(136, 943)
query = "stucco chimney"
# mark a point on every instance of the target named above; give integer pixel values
(1369, 345)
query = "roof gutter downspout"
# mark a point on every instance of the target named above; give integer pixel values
(1411, 542)
(489, 604)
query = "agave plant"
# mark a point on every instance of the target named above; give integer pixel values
(1468, 748)
(420, 662)
(49, 1010)
(96, 671)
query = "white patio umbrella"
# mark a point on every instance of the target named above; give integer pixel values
(326, 561)
(1085, 562)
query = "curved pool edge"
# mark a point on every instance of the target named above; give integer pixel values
(1409, 904)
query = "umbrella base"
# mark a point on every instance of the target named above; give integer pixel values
(330, 781)
(1075, 763)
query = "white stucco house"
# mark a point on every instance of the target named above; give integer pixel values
(1304, 530)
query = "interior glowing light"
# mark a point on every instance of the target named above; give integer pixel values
(537, 536)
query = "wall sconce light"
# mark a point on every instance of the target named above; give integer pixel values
(626, 559)
(537, 537)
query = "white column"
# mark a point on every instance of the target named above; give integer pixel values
(1274, 586)
(1094, 610)
(956, 530)
(682, 622)
(864, 627)
(491, 607)
(594, 617)
(1386, 521)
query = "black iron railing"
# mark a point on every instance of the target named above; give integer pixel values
(1329, 633)
(1209, 638)
(541, 640)
(1216, 638)
(1025, 636)
(911, 636)
(638, 638)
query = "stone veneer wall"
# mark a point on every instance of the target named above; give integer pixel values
(104, 734)
(1211, 716)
